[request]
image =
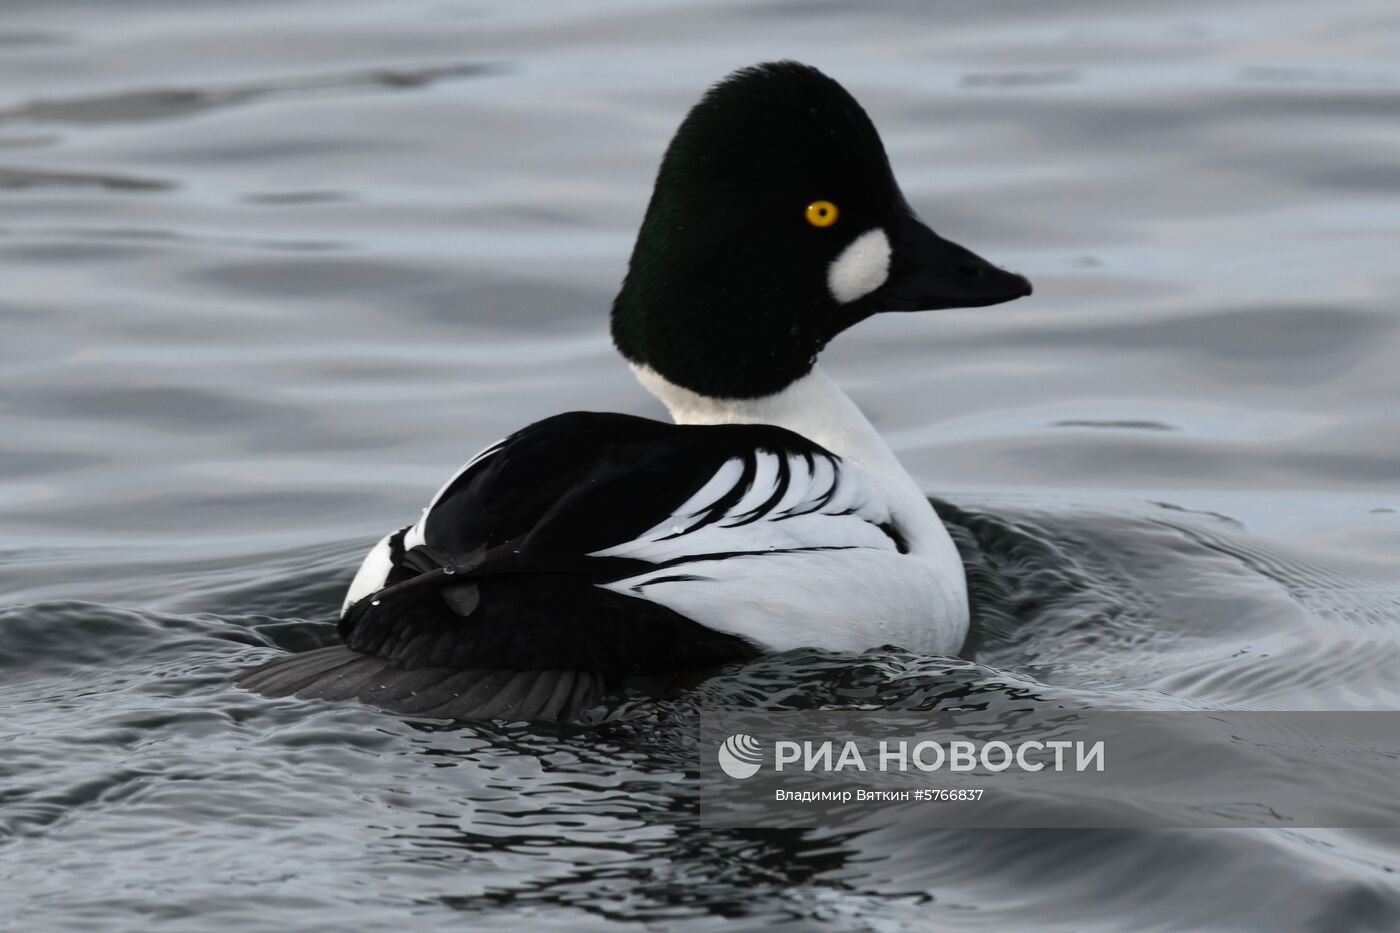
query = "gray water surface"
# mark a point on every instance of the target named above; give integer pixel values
(272, 271)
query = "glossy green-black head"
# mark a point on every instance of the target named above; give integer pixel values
(775, 224)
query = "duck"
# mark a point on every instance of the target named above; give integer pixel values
(591, 548)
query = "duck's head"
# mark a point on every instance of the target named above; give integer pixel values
(775, 224)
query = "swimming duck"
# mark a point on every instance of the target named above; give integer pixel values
(590, 547)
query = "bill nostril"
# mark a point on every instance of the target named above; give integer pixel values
(968, 270)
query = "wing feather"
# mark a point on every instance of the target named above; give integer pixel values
(516, 569)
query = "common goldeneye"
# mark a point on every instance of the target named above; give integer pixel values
(588, 547)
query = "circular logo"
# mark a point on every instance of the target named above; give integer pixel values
(740, 756)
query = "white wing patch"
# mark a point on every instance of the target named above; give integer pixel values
(374, 570)
(838, 600)
(761, 502)
(786, 550)
(722, 482)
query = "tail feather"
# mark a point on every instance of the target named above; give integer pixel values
(338, 673)
(286, 676)
(401, 688)
(457, 687)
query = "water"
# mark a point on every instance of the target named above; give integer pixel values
(273, 270)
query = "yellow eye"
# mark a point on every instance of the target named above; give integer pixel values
(822, 213)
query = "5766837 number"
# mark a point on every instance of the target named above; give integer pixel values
(948, 793)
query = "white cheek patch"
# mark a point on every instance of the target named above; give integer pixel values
(861, 268)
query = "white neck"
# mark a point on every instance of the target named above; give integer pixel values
(814, 407)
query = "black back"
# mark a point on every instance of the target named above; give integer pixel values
(517, 529)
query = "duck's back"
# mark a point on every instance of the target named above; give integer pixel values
(590, 547)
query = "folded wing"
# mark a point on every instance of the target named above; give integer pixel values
(504, 599)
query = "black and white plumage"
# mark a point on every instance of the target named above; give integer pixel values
(557, 549)
(549, 542)
(588, 548)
